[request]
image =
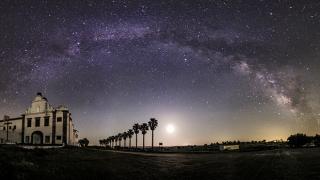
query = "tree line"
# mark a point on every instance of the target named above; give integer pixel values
(115, 140)
(299, 140)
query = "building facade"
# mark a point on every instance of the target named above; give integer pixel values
(40, 124)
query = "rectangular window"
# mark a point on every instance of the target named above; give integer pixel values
(4, 128)
(47, 139)
(27, 139)
(59, 119)
(9, 127)
(46, 121)
(58, 137)
(29, 120)
(37, 122)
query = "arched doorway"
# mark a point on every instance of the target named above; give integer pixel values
(37, 137)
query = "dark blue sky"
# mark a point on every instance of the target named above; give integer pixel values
(216, 70)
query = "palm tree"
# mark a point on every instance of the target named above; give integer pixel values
(124, 136)
(144, 128)
(136, 128)
(153, 123)
(112, 140)
(116, 139)
(119, 138)
(104, 141)
(130, 134)
(108, 140)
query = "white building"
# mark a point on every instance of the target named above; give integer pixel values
(40, 124)
(229, 147)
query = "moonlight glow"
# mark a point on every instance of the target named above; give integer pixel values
(170, 129)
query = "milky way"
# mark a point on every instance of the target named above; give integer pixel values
(218, 70)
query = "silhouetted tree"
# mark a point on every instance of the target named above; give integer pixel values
(124, 136)
(112, 141)
(119, 139)
(153, 123)
(108, 141)
(84, 142)
(298, 140)
(116, 140)
(130, 134)
(144, 128)
(136, 128)
(316, 140)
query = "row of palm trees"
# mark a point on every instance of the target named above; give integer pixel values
(115, 140)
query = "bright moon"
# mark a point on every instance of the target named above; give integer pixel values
(170, 128)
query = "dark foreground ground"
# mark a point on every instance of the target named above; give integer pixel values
(76, 163)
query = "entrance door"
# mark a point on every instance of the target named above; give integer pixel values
(37, 137)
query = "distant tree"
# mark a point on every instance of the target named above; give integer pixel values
(298, 140)
(143, 128)
(136, 128)
(316, 140)
(84, 142)
(108, 141)
(124, 136)
(116, 139)
(119, 139)
(153, 123)
(112, 140)
(101, 142)
(130, 134)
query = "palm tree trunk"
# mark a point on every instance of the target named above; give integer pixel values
(129, 142)
(152, 139)
(136, 141)
(143, 143)
(124, 142)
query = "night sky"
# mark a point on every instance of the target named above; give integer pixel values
(215, 70)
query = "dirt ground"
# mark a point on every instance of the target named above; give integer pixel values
(77, 163)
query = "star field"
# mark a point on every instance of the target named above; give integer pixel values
(218, 70)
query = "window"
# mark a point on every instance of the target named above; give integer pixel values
(14, 127)
(29, 120)
(46, 121)
(27, 139)
(47, 139)
(38, 109)
(58, 137)
(37, 121)
(59, 119)
(9, 127)
(4, 128)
